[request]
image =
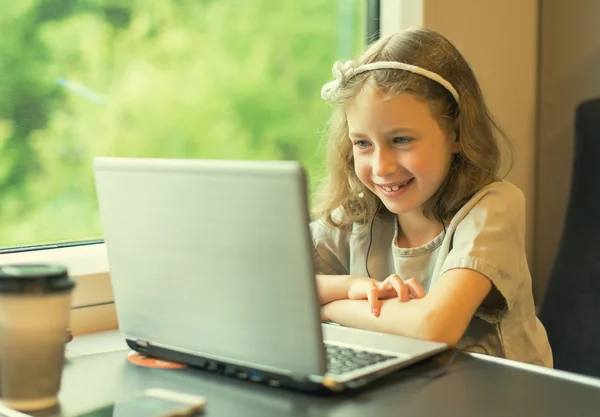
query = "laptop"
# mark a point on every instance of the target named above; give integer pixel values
(211, 266)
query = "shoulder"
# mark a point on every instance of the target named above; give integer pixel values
(323, 232)
(338, 216)
(498, 201)
(331, 250)
(498, 192)
(499, 195)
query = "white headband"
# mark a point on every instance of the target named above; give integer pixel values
(343, 72)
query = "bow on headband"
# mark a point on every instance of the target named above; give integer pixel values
(342, 73)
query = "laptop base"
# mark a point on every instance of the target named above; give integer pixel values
(250, 374)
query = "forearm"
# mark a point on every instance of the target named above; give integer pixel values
(442, 315)
(332, 287)
(408, 319)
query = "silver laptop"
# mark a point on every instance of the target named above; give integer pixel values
(211, 265)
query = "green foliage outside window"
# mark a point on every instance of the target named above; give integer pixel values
(235, 79)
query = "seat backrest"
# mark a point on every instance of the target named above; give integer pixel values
(570, 310)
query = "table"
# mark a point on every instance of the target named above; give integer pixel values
(472, 386)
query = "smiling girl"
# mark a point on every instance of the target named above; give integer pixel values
(417, 234)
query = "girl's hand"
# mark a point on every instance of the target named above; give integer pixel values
(361, 288)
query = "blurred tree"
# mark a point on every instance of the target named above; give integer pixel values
(179, 78)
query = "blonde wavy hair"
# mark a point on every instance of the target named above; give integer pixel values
(480, 138)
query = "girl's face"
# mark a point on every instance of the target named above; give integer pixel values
(400, 151)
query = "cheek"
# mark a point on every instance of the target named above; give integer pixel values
(362, 167)
(428, 169)
(432, 164)
(420, 165)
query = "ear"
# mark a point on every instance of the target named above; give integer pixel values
(454, 142)
(456, 145)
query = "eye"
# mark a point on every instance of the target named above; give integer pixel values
(402, 140)
(362, 144)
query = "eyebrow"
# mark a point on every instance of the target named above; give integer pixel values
(391, 132)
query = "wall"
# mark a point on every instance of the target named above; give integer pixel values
(569, 74)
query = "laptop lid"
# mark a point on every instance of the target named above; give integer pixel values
(213, 257)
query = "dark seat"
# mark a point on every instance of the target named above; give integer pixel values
(570, 310)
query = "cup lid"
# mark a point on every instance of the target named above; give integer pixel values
(34, 278)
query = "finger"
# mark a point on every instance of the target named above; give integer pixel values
(415, 288)
(373, 300)
(386, 289)
(400, 287)
(394, 282)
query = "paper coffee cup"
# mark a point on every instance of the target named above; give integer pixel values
(35, 302)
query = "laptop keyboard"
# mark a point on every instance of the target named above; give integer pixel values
(343, 359)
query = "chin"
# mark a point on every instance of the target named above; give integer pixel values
(400, 209)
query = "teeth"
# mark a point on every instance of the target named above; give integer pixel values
(396, 188)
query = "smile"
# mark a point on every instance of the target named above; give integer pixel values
(394, 187)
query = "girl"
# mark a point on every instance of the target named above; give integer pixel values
(416, 234)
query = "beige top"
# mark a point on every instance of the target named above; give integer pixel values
(487, 235)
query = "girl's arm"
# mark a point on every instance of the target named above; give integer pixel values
(338, 287)
(442, 315)
(332, 287)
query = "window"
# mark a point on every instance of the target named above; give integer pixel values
(172, 78)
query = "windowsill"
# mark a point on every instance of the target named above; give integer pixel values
(81, 260)
(92, 305)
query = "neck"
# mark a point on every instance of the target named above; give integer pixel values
(415, 229)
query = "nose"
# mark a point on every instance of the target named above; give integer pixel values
(384, 163)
